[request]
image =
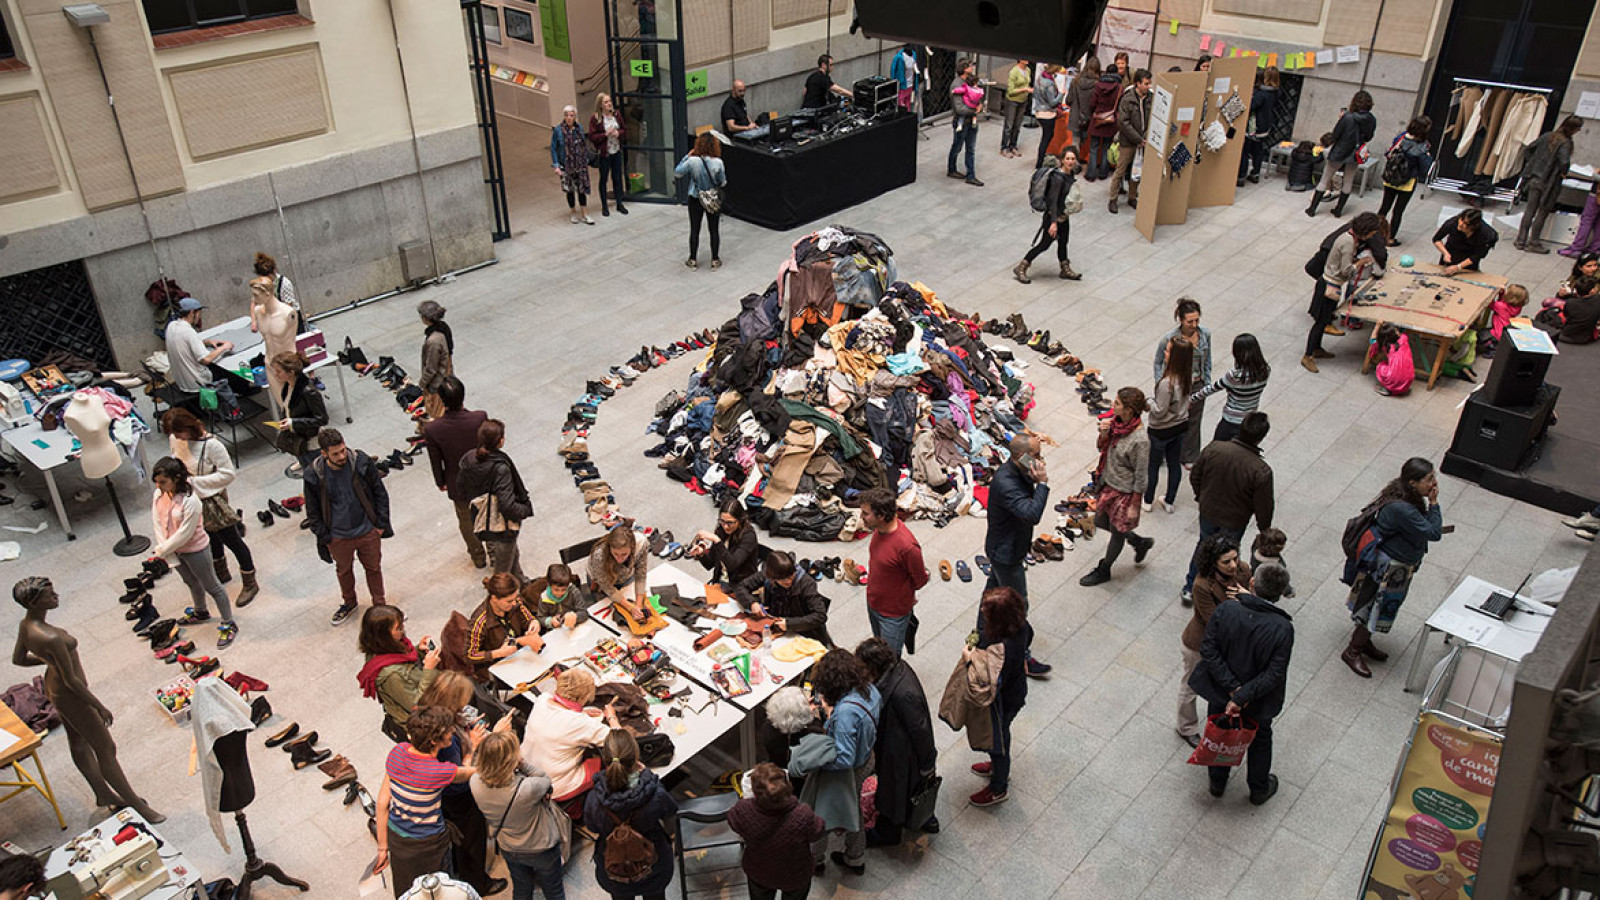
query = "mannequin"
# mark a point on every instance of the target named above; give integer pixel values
(87, 419)
(275, 321)
(87, 720)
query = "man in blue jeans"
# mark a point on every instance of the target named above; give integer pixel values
(895, 571)
(966, 98)
(1232, 483)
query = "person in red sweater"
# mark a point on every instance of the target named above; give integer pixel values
(777, 830)
(895, 572)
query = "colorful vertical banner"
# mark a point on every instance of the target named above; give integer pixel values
(1433, 835)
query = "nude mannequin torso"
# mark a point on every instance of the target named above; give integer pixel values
(89, 422)
(276, 323)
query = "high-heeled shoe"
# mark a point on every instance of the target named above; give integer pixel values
(287, 734)
(170, 655)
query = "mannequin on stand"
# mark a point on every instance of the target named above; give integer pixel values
(275, 320)
(87, 419)
(87, 720)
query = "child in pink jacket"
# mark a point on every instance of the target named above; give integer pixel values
(1392, 350)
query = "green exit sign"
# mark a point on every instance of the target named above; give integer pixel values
(642, 68)
(696, 84)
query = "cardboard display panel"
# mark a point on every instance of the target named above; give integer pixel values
(1217, 172)
(1175, 120)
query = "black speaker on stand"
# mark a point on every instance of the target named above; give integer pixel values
(1503, 437)
(1515, 376)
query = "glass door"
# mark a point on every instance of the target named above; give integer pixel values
(644, 52)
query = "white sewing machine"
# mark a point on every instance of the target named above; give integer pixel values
(12, 411)
(100, 868)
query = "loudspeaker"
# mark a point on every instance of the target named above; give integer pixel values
(1501, 436)
(1515, 376)
(1052, 31)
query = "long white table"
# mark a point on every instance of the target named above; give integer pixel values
(1456, 620)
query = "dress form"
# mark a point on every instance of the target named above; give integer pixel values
(276, 323)
(87, 419)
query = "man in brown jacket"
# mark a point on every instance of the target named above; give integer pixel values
(1133, 119)
(448, 438)
(1231, 483)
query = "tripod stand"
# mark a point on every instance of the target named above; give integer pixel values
(256, 868)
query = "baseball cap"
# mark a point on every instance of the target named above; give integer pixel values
(189, 305)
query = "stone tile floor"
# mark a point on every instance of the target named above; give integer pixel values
(1103, 804)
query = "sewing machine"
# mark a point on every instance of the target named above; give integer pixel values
(12, 410)
(101, 868)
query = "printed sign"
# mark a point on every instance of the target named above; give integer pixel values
(641, 68)
(696, 84)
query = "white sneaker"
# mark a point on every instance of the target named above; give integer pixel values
(587, 220)
(1147, 507)
(1585, 522)
(573, 218)
(1168, 507)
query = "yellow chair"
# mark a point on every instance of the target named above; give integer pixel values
(27, 747)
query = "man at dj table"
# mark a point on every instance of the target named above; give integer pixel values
(819, 85)
(735, 114)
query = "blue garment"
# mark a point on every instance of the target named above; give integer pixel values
(1016, 504)
(904, 71)
(890, 629)
(1202, 354)
(703, 173)
(558, 146)
(1406, 531)
(854, 728)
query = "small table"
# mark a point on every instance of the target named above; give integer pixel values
(183, 880)
(57, 450)
(1454, 618)
(1407, 299)
(247, 343)
(24, 744)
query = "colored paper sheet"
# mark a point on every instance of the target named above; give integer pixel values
(1324, 57)
(1205, 42)
(1272, 59)
(1173, 29)
(1310, 61)
(1233, 52)
(1217, 47)
(1288, 61)
(1261, 62)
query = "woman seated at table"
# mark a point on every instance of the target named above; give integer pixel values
(731, 554)
(500, 626)
(394, 673)
(793, 599)
(561, 731)
(304, 413)
(617, 563)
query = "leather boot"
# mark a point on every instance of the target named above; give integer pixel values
(344, 773)
(1316, 199)
(306, 754)
(1338, 208)
(1352, 655)
(332, 766)
(1068, 272)
(1021, 272)
(220, 564)
(249, 588)
(1367, 648)
(1111, 207)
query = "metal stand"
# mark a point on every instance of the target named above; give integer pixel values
(131, 544)
(256, 868)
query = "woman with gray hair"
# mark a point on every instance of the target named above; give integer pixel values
(438, 356)
(569, 156)
(789, 718)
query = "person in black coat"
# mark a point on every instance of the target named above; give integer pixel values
(906, 756)
(1243, 670)
(1463, 241)
(1355, 128)
(1018, 496)
(1261, 121)
(488, 472)
(793, 599)
(732, 554)
(304, 413)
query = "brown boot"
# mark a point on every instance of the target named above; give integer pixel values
(1352, 656)
(344, 773)
(1367, 648)
(333, 765)
(1021, 272)
(220, 564)
(249, 588)
(1112, 206)
(1068, 272)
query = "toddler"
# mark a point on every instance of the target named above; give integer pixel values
(1268, 548)
(1303, 164)
(1506, 307)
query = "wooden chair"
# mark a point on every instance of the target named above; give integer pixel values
(26, 747)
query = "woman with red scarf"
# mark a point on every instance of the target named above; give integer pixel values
(396, 673)
(1122, 475)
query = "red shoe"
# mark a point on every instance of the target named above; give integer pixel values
(983, 768)
(987, 797)
(244, 683)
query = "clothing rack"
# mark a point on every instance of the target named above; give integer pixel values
(1458, 185)
(1520, 88)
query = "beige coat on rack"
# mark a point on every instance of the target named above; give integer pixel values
(1522, 127)
(1493, 117)
(1468, 119)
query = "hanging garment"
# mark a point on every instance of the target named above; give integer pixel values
(1468, 101)
(1498, 102)
(218, 711)
(1520, 129)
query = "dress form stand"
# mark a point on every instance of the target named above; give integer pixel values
(256, 868)
(87, 419)
(237, 791)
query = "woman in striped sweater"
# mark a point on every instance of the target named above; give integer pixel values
(1244, 383)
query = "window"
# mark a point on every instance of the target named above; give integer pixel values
(181, 15)
(519, 25)
(491, 24)
(6, 50)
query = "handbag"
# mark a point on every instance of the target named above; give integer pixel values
(656, 749)
(710, 198)
(923, 802)
(352, 355)
(487, 518)
(1224, 741)
(216, 511)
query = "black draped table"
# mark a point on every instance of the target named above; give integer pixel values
(787, 189)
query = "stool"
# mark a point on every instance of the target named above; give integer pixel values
(27, 747)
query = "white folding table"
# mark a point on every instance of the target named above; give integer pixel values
(1456, 619)
(46, 451)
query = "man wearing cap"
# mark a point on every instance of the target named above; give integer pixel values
(187, 354)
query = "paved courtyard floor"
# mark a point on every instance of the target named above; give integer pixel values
(1102, 804)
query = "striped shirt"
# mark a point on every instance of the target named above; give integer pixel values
(1244, 396)
(415, 782)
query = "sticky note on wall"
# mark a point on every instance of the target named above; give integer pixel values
(1205, 42)
(1174, 28)
(1261, 62)
(1217, 47)
(1310, 61)
(1272, 59)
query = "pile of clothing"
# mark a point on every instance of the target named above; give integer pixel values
(839, 378)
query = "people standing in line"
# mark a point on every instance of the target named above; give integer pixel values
(1063, 198)
(438, 356)
(1133, 119)
(895, 570)
(412, 837)
(780, 590)
(180, 535)
(819, 84)
(1080, 97)
(1232, 483)
(1546, 164)
(211, 471)
(733, 553)
(501, 625)
(705, 173)
(1463, 241)
(1187, 315)
(188, 355)
(449, 437)
(906, 73)
(1261, 121)
(966, 100)
(348, 508)
(904, 752)
(1169, 421)
(1103, 106)
(569, 156)
(534, 839)
(267, 267)
(1121, 475)
(304, 412)
(1047, 103)
(1019, 493)
(1244, 383)
(626, 791)
(490, 479)
(452, 691)
(1221, 575)
(1353, 130)
(1019, 90)
(1348, 254)
(1409, 518)
(1414, 158)
(607, 131)
(777, 830)
(836, 762)
(1243, 671)
(1003, 620)
(395, 672)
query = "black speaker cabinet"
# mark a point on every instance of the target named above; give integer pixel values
(1052, 31)
(1515, 376)
(1501, 436)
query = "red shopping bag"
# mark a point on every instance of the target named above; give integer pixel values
(1224, 742)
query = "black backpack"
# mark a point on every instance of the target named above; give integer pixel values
(1397, 163)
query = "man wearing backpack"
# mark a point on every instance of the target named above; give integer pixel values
(1053, 192)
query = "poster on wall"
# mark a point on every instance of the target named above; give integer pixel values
(1129, 31)
(1433, 835)
(553, 25)
(519, 25)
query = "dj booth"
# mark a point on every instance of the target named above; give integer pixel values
(815, 172)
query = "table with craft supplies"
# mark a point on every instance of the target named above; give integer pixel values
(247, 344)
(1458, 619)
(19, 744)
(1426, 304)
(114, 859)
